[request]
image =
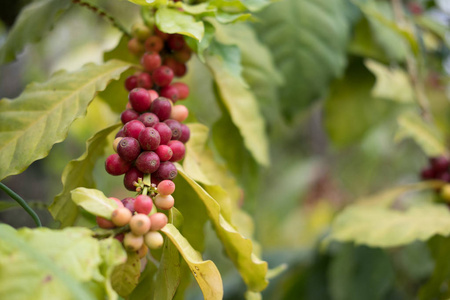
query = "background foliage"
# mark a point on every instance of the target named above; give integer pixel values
(310, 124)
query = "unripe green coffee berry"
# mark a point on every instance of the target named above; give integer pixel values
(445, 192)
(133, 242)
(153, 239)
(121, 216)
(140, 31)
(140, 224)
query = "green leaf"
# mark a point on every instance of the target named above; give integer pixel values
(426, 135)
(49, 263)
(5, 205)
(238, 248)
(174, 21)
(360, 273)
(391, 83)
(33, 21)
(349, 97)
(374, 223)
(150, 2)
(42, 114)
(298, 34)
(125, 277)
(94, 201)
(168, 276)
(242, 106)
(205, 272)
(113, 254)
(78, 173)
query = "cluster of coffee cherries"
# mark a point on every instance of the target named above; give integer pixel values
(438, 168)
(152, 137)
(140, 220)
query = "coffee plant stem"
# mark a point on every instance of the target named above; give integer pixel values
(411, 64)
(22, 203)
(112, 232)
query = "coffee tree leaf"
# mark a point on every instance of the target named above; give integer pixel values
(155, 3)
(391, 83)
(125, 277)
(297, 33)
(168, 276)
(78, 173)
(239, 248)
(49, 263)
(113, 254)
(94, 201)
(241, 104)
(205, 272)
(373, 221)
(42, 114)
(426, 135)
(32, 23)
(174, 21)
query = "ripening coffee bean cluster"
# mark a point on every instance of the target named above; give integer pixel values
(141, 217)
(438, 168)
(153, 135)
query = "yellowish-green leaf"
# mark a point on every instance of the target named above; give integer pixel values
(391, 83)
(174, 21)
(42, 114)
(239, 248)
(113, 254)
(94, 201)
(375, 223)
(33, 21)
(243, 108)
(426, 135)
(78, 173)
(125, 277)
(46, 264)
(205, 272)
(155, 3)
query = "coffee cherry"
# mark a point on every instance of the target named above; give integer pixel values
(164, 36)
(440, 164)
(139, 99)
(142, 252)
(132, 242)
(183, 90)
(158, 221)
(131, 177)
(185, 133)
(180, 69)
(115, 165)
(148, 162)
(444, 177)
(131, 82)
(128, 115)
(170, 92)
(149, 138)
(165, 133)
(135, 46)
(104, 223)
(140, 224)
(155, 180)
(428, 173)
(179, 113)
(153, 94)
(120, 237)
(178, 150)
(176, 42)
(143, 204)
(164, 152)
(119, 203)
(149, 119)
(154, 44)
(175, 127)
(162, 107)
(153, 239)
(166, 170)
(129, 148)
(144, 81)
(121, 216)
(445, 192)
(164, 202)
(140, 31)
(183, 55)
(150, 61)
(162, 76)
(116, 143)
(166, 187)
(128, 203)
(133, 128)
